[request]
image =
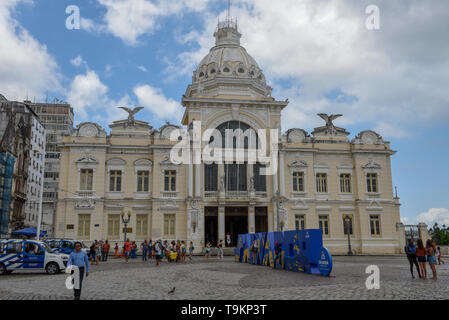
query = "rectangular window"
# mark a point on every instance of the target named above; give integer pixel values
(170, 180)
(375, 225)
(371, 182)
(345, 183)
(346, 225)
(114, 226)
(142, 225)
(86, 179)
(321, 183)
(143, 178)
(169, 226)
(260, 181)
(236, 179)
(210, 177)
(300, 222)
(115, 184)
(84, 226)
(324, 224)
(298, 181)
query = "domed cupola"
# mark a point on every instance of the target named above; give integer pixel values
(228, 70)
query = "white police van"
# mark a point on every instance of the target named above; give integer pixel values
(30, 255)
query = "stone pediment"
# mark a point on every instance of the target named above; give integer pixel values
(89, 130)
(296, 135)
(371, 165)
(87, 159)
(368, 137)
(165, 131)
(143, 163)
(298, 164)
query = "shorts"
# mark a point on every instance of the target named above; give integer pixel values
(93, 256)
(128, 254)
(422, 259)
(431, 259)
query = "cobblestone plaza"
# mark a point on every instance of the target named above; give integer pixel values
(227, 280)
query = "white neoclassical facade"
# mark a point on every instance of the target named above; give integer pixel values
(322, 177)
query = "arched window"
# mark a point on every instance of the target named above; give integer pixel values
(235, 135)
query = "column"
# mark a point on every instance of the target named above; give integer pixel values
(221, 173)
(190, 178)
(281, 173)
(252, 220)
(198, 180)
(221, 223)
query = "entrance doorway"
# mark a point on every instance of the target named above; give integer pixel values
(211, 226)
(261, 219)
(236, 222)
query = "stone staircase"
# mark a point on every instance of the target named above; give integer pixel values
(226, 251)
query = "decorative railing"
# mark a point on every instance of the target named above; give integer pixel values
(261, 194)
(169, 194)
(86, 194)
(210, 194)
(237, 194)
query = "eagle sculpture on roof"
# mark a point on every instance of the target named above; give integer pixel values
(330, 128)
(131, 114)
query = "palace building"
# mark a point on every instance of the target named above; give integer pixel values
(323, 179)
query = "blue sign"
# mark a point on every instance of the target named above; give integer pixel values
(296, 250)
(325, 262)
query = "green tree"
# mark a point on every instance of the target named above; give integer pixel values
(440, 235)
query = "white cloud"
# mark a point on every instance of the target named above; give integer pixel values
(142, 68)
(155, 101)
(26, 66)
(130, 19)
(87, 94)
(89, 97)
(440, 215)
(78, 61)
(397, 74)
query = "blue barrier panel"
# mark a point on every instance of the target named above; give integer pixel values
(297, 250)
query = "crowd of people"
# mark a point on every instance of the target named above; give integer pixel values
(174, 251)
(419, 255)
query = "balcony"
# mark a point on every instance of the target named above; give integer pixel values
(210, 194)
(169, 194)
(237, 194)
(86, 194)
(261, 194)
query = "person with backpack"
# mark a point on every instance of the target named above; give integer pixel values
(159, 252)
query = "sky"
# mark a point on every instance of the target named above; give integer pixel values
(319, 54)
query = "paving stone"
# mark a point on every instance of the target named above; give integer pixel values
(227, 280)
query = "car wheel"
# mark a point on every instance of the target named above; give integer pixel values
(52, 268)
(2, 269)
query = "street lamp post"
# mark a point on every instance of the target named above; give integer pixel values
(347, 220)
(125, 221)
